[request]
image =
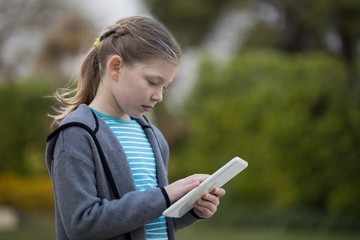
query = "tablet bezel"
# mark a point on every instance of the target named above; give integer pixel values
(217, 179)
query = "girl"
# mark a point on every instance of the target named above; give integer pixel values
(108, 163)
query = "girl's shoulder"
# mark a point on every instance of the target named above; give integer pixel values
(81, 114)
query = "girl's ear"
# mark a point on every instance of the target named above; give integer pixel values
(114, 65)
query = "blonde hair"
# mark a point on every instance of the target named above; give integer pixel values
(135, 39)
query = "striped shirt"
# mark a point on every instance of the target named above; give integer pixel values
(142, 163)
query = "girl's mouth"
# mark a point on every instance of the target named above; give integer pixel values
(147, 108)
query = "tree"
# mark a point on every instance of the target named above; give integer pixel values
(190, 21)
(24, 126)
(308, 25)
(290, 117)
(25, 27)
(19, 18)
(298, 26)
(66, 40)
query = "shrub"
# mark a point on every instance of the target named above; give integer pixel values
(26, 193)
(291, 117)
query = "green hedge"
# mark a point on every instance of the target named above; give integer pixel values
(24, 182)
(27, 194)
(24, 126)
(291, 117)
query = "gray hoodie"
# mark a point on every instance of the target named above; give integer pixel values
(85, 202)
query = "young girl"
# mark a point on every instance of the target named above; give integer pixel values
(108, 163)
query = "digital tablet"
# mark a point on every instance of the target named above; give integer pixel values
(217, 179)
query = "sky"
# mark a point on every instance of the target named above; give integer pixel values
(106, 12)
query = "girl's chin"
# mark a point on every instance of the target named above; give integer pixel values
(136, 115)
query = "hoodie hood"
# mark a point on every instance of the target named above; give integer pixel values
(80, 117)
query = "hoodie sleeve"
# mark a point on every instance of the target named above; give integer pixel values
(84, 202)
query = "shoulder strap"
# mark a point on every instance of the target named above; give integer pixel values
(101, 153)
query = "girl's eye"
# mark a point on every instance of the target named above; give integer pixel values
(152, 83)
(157, 84)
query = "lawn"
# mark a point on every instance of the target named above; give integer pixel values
(39, 226)
(32, 227)
(209, 232)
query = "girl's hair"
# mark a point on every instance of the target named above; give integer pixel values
(135, 39)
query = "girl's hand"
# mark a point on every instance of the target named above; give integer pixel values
(179, 188)
(206, 206)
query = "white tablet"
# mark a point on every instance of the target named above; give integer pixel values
(217, 179)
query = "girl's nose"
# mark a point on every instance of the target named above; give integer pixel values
(158, 95)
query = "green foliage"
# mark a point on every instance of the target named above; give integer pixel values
(291, 117)
(29, 194)
(190, 21)
(206, 231)
(24, 127)
(288, 25)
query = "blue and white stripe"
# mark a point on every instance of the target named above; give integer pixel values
(142, 163)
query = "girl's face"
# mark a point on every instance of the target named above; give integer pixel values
(139, 87)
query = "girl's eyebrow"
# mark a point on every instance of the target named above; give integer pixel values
(156, 77)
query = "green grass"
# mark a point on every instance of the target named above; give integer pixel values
(32, 227)
(203, 231)
(40, 226)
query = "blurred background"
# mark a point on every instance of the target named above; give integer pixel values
(275, 82)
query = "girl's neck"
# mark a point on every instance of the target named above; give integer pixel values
(108, 110)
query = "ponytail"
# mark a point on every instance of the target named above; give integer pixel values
(84, 93)
(89, 78)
